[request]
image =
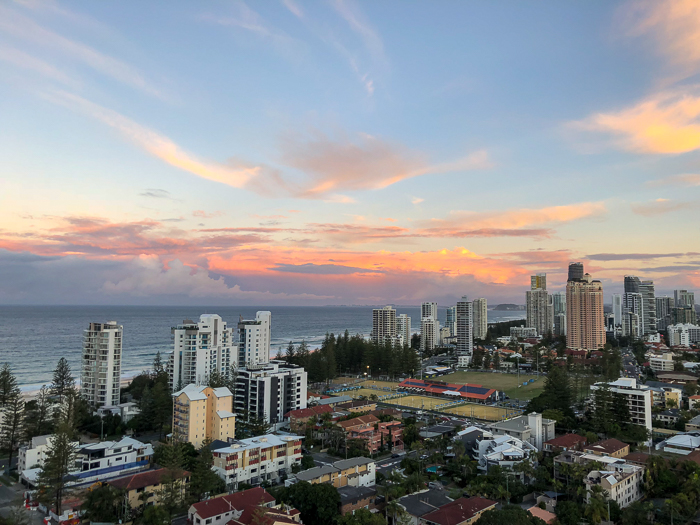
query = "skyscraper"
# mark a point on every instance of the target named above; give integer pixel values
(646, 288)
(480, 318)
(254, 340)
(664, 311)
(403, 329)
(617, 308)
(575, 271)
(558, 300)
(632, 284)
(632, 314)
(585, 323)
(684, 298)
(451, 320)
(199, 349)
(384, 325)
(100, 375)
(539, 308)
(465, 336)
(429, 326)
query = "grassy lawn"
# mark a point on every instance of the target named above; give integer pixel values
(508, 383)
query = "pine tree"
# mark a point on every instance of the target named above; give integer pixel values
(203, 480)
(290, 355)
(8, 382)
(158, 367)
(37, 415)
(55, 472)
(12, 417)
(63, 380)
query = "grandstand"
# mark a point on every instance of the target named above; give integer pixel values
(467, 392)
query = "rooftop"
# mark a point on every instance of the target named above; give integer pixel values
(566, 441)
(350, 494)
(459, 510)
(237, 500)
(607, 446)
(421, 503)
(143, 479)
(196, 393)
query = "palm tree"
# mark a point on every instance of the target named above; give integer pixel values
(596, 509)
(502, 493)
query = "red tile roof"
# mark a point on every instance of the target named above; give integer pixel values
(566, 441)
(369, 419)
(309, 412)
(271, 516)
(607, 446)
(142, 479)
(544, 515)
(458, 511)
(237, 500)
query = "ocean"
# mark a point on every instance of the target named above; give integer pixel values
(34, 338)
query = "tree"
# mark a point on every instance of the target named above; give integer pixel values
(8, 382)
(11, 413)
(103, 504)
(155, 515)
(55, 472)
(568, 513)
(307, 462)
(204, 481)
(318, 503)
(37, 420)
(361, 517)
(63, 381)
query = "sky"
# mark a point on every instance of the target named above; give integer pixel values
(344, 152)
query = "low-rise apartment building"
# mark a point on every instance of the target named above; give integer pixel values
(145, 488)
(255, 460)
(203, 412)
(221, 510)
(682, 444)
(353, 472)
(621, 483)
(661, 362)
(638, 397)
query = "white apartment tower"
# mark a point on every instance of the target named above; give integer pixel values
(646, 288)
(429, 326)
(684, 298)
(254, 340)
(200, 349)
(100, 376)
(465, 336)
(403, 329)
(632, 314)
(539, 308)
(479, 317)
(384, 325)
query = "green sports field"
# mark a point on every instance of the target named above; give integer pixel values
(473, 410)
(507, 383)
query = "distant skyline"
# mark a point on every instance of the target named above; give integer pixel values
(345, 152)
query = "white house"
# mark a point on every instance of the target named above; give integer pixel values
(101, 461)
(504, 451)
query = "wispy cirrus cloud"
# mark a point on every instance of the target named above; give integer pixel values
(29, 62)
(674, 25)
(156, 144)
(516, 222)
(685, 179)
(637, 256)
(24, 28)
(661, 207)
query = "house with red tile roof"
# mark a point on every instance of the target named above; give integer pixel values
(363, 428)
(299, 418)
(221, 510)
(565, 442)
(144, 488)
(462, 511)
(260, 515)
(613, 448)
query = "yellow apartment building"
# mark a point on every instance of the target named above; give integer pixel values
(203, 412)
